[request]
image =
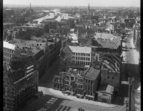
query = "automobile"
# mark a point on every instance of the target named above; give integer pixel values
(79, 96)
(68, 92)
(80, 109)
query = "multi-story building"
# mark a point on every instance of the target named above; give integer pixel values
(91, 82)
(50, 46)
(75, 56)
(81, 83)
(9, 50)
(72, 80)
(110, 77)
(20, 83)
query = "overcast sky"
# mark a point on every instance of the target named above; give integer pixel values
(108, 3)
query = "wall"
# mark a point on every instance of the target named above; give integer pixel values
(110, 77)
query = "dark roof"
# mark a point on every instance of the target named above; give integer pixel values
(92, 73)
(39, 55)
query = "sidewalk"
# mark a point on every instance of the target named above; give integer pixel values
(57, 93)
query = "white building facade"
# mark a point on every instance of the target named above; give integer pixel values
(81, 55)
(8, 51)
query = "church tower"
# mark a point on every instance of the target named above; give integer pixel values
(88, 8)
(30, 6)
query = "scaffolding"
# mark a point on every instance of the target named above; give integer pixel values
(18, 90)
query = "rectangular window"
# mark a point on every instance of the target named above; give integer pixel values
(108, 77)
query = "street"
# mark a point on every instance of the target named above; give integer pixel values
(46, 103)
(46, 80)
(130, 66)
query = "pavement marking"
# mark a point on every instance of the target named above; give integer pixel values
(48, 104)
(59, 108)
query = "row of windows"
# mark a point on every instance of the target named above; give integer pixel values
(89, 93)
(67, 83)
(88, 81)
(79, 62)
(81, 54)
(81, 58)
(8, 55)
(80, 80)
(8, 50)
(6, 59)
(108, 77)
(80, 86)
(89, 88)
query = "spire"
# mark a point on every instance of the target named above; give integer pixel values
(30, 6)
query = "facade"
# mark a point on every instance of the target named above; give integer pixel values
(81, 83)
(72, 81)
(110, 64)
(91, 80)
(20, 84)
(77, 56)
(137, 98)
(81, 55)
(36, 47)
(9, 50)
(110, 77)
(50, 56)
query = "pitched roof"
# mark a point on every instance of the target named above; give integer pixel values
(92, 73)
(78, 49)
(107, 40)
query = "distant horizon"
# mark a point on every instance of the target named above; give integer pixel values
(75, 3)
(27, 5)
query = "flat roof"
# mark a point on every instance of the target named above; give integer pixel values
(78, 49)
(92, 73)
(9, 45)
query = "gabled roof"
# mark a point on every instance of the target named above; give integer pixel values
(107, 40)
(92, 73)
